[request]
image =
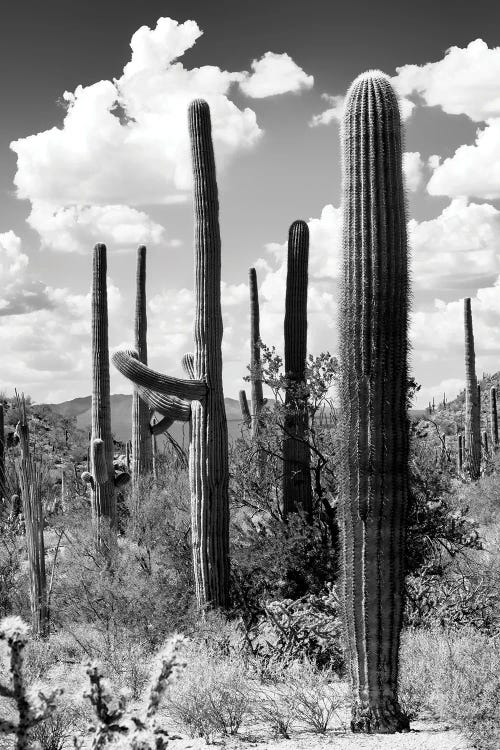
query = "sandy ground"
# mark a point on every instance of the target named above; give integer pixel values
(424, 736)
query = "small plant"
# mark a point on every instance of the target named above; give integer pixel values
(113, 722)
(31, 709)
(212, 698)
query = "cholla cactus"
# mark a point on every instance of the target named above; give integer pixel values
(133, 731)
(31, 710)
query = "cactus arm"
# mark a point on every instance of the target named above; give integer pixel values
(373, 380)
(99, 461)
(178, 409)
(188, 365)
(245, 411)
(158, 428)
(127, 364)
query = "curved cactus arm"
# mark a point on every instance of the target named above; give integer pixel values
(245, 410)
(127, 364)
(178, 409)
(158, 428)
(188, 365)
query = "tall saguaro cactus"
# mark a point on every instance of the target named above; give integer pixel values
(493, 417)
(142, 450)
(103, 488)
(472, 400)
(373, 386)
(208, 458)
(296, 456)
(200, 398)
(255, 358)
(31, 481)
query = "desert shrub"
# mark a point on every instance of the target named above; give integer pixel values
(273, 559)
(307, 628)
(460, 684)
(297, 692)
(212, 696)
(148, 591)
(57, 731)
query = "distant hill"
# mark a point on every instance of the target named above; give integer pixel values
(121, 416)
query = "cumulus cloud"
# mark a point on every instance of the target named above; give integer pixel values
(334, 113)
(125, 142)
(459, 249)
(465, 81)
(413, 168)
(473, 169)
(275, 74)
(74, 229)
(19, 293)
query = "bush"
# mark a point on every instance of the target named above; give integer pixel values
(212, 696)
(309, 628)
(454, 675)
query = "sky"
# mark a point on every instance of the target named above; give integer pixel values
(94, 148)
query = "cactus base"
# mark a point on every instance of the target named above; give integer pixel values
(386, 717)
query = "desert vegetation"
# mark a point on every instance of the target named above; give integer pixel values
(334, 567)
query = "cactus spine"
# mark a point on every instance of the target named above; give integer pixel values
(373, 414)
(142, 449)
(493, 417)
(296, 457)
(472, 400)
(103, 490)
(208, 453)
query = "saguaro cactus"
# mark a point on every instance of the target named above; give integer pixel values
(103, 489)
(493, 417)
(472, 400)
(460, 455)
(201, 396)
(142, 451)
(296, 455)
(3, 490)
(30, 480)
(255, 359)
(373, 413)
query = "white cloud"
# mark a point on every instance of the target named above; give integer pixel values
(413, 168)
(74, 229)
(473, 170)
(125, 142)
(458, 249)
(334, 113)
(465, 81)
(275, 74)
